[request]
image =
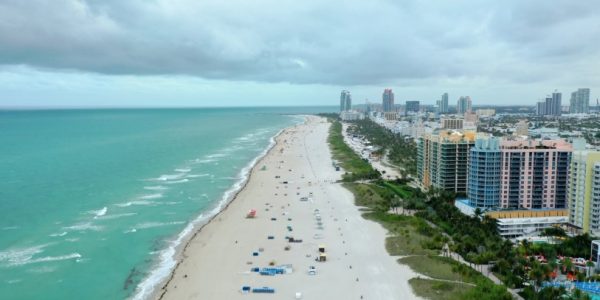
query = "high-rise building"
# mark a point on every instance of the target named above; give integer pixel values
(540, 109)
(388, 101)
(444, 104)
(463, 105)
(485, 167)
(527, 174)
(534, 173)
(345, 101)
(580, 101)
(412, 106)
(442, 160)
(583, 187)
(551, 106)
(451, 123)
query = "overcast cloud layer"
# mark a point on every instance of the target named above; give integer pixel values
(471, 46)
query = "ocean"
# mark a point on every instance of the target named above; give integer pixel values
(93, 203)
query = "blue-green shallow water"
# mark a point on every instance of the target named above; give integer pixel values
(92, 202)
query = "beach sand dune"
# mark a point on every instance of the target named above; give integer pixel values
(294, 192)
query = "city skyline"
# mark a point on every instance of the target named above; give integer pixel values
(184, 53)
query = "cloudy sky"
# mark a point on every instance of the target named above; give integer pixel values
(289, 52)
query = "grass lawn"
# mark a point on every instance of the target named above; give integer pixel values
(405, 192)
(368, 195)
(439, 290)
(440, 268)
(353, 164)
(405, 236)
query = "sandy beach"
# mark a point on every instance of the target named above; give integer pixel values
(291, 188)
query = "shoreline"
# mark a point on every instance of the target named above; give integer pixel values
(156, 290)
(215, 263)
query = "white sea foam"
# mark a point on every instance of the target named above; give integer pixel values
(151, 196)
(18, 256)
(166, 260)
(204, 161)
(197, 175)
(24, 256)
(178, 181)
(58, 234)
(183, 170)
(155, 188)
(216, 155)
(13, 281)
(83, 227)
(42, 269)
(54, 258)
(116, 216)
(72, 240)
(147, 225)
(10, 228)
(136, 202)
(101, 212)
(168, 177)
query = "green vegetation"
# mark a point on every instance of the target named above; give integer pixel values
(517, 265)
(439, 290)
(421, 223)
(444, 268)
(401, 152)
(475, 238)
(408, 235)
(356, 168)
(554, 293)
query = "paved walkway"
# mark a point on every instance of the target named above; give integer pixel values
(485, 270)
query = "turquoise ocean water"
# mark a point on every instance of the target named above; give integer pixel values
(93, 202)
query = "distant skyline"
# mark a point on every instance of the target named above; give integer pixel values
(184, 53)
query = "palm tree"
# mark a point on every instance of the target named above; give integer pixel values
(589, 264)
(478, 212)
(526, 246)
(395, 202)
(537, 275)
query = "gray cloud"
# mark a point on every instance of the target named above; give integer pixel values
(330, 42)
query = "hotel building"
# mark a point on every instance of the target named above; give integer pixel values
(519, 174)
(345, 101)
(584, 191)
(387, 102)
(485, 168)
(463, 105)
(442, 160)
(534, 174)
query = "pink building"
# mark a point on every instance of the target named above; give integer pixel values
(534, 173)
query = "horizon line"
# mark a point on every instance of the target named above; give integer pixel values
(68, 107)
